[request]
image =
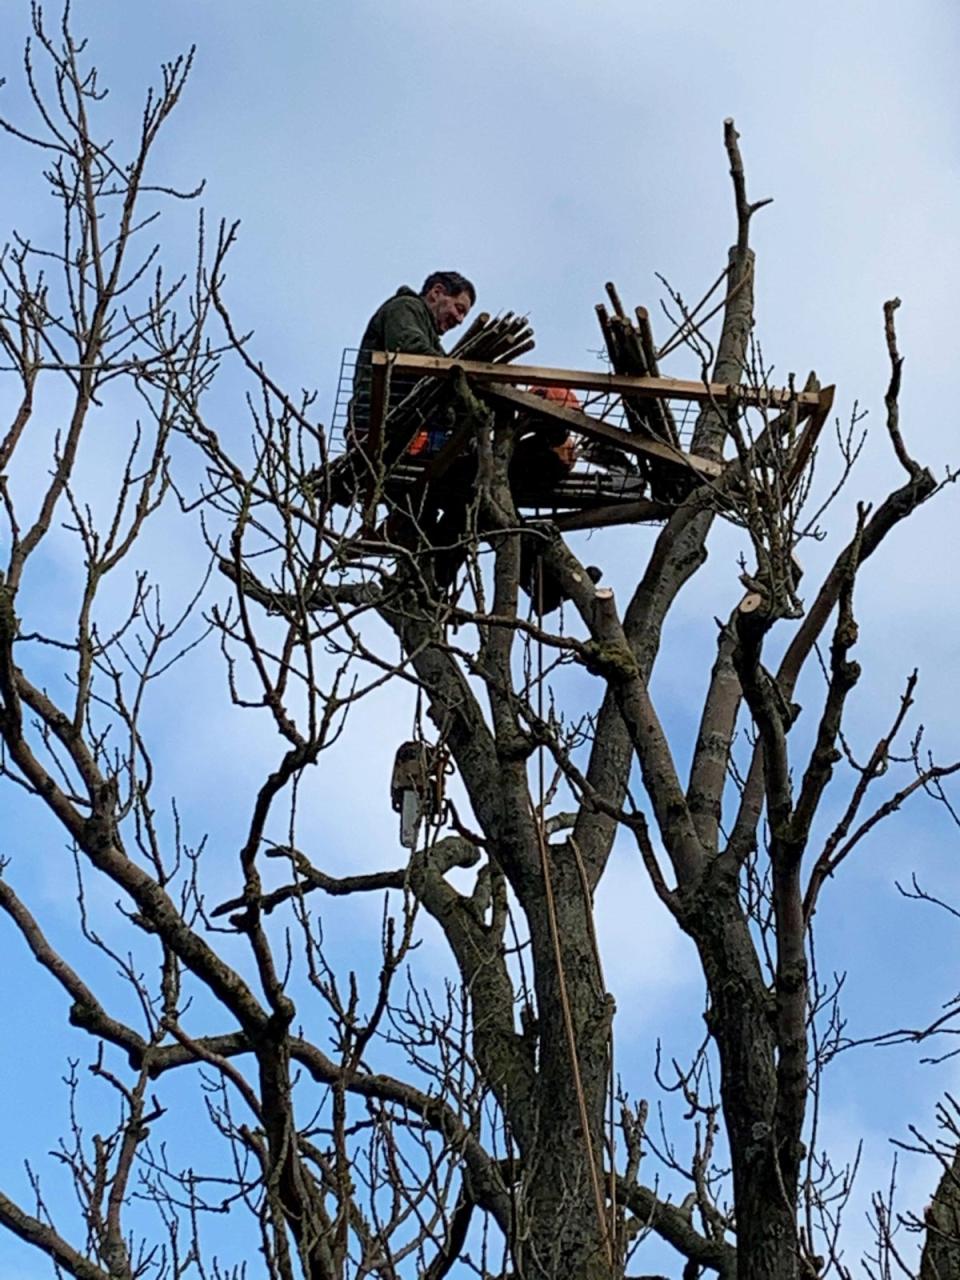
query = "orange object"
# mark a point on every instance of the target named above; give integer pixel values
(566, 397)
(419, 442)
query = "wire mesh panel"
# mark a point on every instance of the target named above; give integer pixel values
(603, 406)
(340, 418)
(610, 409)
(602, 473)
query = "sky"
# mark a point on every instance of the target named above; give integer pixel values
(543, 149)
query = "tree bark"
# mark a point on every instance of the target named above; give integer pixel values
(941, 1251)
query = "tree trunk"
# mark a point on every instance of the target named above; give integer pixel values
(564, 1233)
(742, 1016)
(941, 1253)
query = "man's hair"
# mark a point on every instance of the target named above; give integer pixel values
(453, 283)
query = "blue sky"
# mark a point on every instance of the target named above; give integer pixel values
(543, 149)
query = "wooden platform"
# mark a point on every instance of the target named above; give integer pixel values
(589, 496)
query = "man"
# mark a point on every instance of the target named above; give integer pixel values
(544, 454)
(412, 323)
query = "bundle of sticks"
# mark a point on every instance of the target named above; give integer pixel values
(495, 339)
(631, 349)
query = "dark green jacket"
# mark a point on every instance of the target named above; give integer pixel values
(403, 323)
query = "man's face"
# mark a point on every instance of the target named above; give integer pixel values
(448, 309)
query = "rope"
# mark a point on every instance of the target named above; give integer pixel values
(558, 952)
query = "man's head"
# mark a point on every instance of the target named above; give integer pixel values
(449, 296)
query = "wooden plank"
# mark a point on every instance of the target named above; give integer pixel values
(378, 400)
(647, 344)
(636, 511)
(569, 499)
(581, 380)
(373, 446)
(801, 454)
(594, 429)
(668, 426)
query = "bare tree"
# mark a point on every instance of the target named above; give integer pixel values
(415, 1131)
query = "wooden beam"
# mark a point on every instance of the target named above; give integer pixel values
(373, 446)
(581, 380)
(801, 454)
(594, 429)
(639, 511)
(569, 498)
